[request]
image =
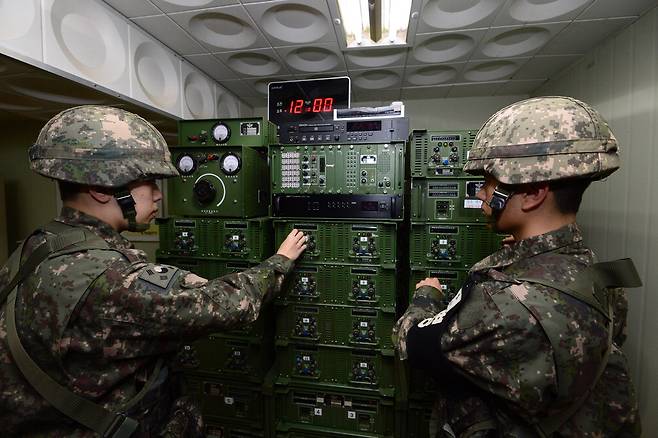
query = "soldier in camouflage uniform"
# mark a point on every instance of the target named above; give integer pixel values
(96, 316)
(520, 351)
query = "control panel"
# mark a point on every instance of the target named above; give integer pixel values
(439, 153)
(345, 131)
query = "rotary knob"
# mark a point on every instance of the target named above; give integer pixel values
(204, 191)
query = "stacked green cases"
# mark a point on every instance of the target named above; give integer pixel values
(219, 225)
(448, 234)
(335, 371)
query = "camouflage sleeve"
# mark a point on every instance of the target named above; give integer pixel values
(425, 302)
(154, 308)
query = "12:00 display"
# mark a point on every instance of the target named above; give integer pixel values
(318, 105)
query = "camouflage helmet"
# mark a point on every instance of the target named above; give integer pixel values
(100, 146)
(544, 139)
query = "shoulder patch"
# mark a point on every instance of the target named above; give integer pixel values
(158, 275)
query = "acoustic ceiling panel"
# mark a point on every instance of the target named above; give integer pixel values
(212, 66)
(20, 27)
(169, 6)
(89, 40)
(198, 94)
(225, 103)
(289, 22)
(376, 79)
(171, 34)
(432, 75)
(254, 63)
(222, 29)
(309, 59)
(511, 41)
(533, 11)
(441, 15)
(155, 74)
(445, 47)
(376, 57)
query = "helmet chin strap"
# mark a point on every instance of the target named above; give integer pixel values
(127, 203)
(499, 200)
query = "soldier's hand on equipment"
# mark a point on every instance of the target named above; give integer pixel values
(430, 281)
(294, 245)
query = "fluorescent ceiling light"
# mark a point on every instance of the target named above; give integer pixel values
(375, 22)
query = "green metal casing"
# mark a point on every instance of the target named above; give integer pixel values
(241, 239)
(446, 200)
(240, 358)
(336, 366)
(206, 267)
(210, 191)
(358, 327)
(367, 243)
(451, 245)
(250, 131)
(451, 280)
(439, 153)
(347, 169)
(341, 284)
(335, 409)
(234, 402)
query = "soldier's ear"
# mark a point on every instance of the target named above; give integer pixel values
(100, 194)
(533, 195)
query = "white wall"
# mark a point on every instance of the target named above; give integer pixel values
(620, 215)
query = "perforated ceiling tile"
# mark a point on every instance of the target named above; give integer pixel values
(226, 104)
(375, 58)
(186, 5)
(490, 71)
(379, 79)
(132, 8)
(253, 63)
(212, 66)
(312, 59)
(444, 47)
(616, 8)
(457, 14)
(222, 29)
(198, 94)
(20, 27)
(166, 30)
(432, 75)
(156, 73)
(517, 41)
(537, 11)
(375, 97)
(472, 90)
(436, 92)
(261, 85)
(88, 40)
(293, 22)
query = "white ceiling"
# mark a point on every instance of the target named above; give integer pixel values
(456, 47)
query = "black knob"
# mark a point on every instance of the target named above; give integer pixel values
(204, 191)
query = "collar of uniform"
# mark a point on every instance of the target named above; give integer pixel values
(532, 246)
(77, 218)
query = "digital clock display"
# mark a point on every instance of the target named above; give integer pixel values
(306, 101)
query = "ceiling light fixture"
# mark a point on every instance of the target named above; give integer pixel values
(375, 22)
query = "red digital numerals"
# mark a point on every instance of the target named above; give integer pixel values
(319, 105)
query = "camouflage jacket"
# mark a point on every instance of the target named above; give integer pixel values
(491, 337)
(104, 347)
